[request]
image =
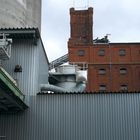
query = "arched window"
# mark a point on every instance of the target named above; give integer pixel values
(122, 52)
(101, 52)
(124, 87)
(102, 71)
(102, 87)
(123, 71)
(81, 52)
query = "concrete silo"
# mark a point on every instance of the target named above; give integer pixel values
(20, 13)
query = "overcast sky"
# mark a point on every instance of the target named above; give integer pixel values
(120, 18)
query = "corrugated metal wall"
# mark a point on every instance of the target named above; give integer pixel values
(75, 117)
(26, 54)
(43, 66)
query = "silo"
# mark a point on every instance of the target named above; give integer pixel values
(20, 13)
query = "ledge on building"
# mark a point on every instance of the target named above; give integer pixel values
(103, 92)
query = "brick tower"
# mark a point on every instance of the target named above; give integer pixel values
(81, 27)
(81, 38)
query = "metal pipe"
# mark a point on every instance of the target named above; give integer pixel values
(80, 87)
(48, 87)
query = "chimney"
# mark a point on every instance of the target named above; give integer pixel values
(81, 24)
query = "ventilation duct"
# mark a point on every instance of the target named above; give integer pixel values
(67, 78)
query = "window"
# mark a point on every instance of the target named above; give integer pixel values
(102, 88)
(81, 52)
(123, 71)
(122, 52)
(102, 71)
(101, 52)
(123, 87)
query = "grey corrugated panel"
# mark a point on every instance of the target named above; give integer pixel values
(26, 54)
(75, 117)
(43, 65)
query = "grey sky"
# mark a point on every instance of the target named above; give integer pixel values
(119, 18)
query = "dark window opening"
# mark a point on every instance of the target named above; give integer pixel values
(124, 87)
(102, 71)
(122, 52)
(81, 52)
(102, 88)
(123, 71)
(101, 52)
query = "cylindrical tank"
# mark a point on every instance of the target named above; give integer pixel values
(20, 13)
(68, 77)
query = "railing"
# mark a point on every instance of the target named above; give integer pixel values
(5, 47)
(63, 59)
(81, 65)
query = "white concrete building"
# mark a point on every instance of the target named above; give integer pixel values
(20, 13)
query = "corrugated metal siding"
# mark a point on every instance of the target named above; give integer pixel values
(43, 66)
(26, 54)
(75, 117)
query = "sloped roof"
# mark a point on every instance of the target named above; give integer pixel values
(23, 33)
(20, 32)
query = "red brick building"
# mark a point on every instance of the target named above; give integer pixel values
(111, 66)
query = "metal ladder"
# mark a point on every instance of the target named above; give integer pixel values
(59, 61)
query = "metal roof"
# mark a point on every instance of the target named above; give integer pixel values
(20, 32)
(23, 33)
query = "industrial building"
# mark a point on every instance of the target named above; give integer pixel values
(22, 56)
(36, 104)
(111, 66)
(20, 13)
(29, 112)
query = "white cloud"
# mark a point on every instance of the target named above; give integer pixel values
(54, 48)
